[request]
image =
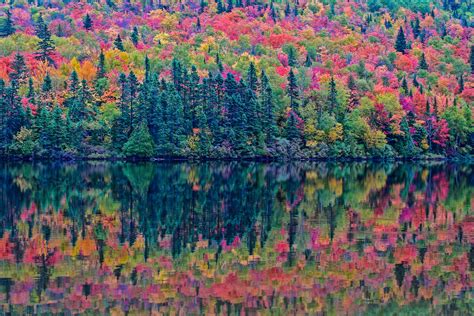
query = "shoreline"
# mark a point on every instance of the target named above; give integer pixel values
(462, 159)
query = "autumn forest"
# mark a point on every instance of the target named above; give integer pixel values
(236, 79)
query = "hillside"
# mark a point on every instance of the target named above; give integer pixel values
(229, 79)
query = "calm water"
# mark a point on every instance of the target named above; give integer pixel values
(236, 238)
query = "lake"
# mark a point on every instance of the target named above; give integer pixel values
(236, 238)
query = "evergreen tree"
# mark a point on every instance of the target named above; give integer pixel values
(400, 44)
(220, 7)
(416, 27)
(308, 62)
(135, 37)
(405, 86)
(118, 44)
(252, 80)
(31, 95)
(267, 105)
(332, 97)
(47, 84)
(87, 22)
(120, 126)
(133, 86)
(422, 64)
(140, 144)
(6, 26)
(101, 72)
(353, 96)
(461, 84)
(45, 47)
(292, 90)
(19, 71)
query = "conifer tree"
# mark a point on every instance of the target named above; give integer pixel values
(400, 44)
(292, 90)
(118, 44)
(6, 26)
(101, 67)
(45, 47)
(140, 144)
(135, 36)
(422, 64)
(332, 97)
(87, 22)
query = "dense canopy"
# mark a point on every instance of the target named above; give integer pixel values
(255, 78)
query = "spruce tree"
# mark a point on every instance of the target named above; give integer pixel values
(6, 26)
(101, 67)
(118, 44)
(416, 27)
(19, 69)
(135, 36)
(405, 86)
(332, 97)
(422, 64)
(45, 46)
(400, 44)
(292, 90)
(140, 144)
(267, 105)
(87, 22)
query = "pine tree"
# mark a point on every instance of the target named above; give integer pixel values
(267, 105)
(405, 86)
(31, 95)
(118, 43)
(140, 144)
(19, 69)
(400, 44)
(121, 125)
(101, 67)
(6, 26)
(220, 7)
(47, 84)
(416, 27)
(292, 56)
(353, 94)
(133, 86)
(45, 46)
(252, 80)
(422, 64)
(308, 62)
(135, 37)
(292, 90)
(87, 22)
(332, 97)
(461, 84)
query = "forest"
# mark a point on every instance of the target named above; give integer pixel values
(217, 79)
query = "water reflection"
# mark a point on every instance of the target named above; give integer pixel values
(236, 237)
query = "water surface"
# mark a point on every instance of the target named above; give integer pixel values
(236, 238)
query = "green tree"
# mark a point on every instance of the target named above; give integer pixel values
(292, 90)
(140, 143)
(87, 22)
(422, 64)
(45, 47)
(118, 44)
(135, 37)
(7, 27)
(400, 43)
(101, 72)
